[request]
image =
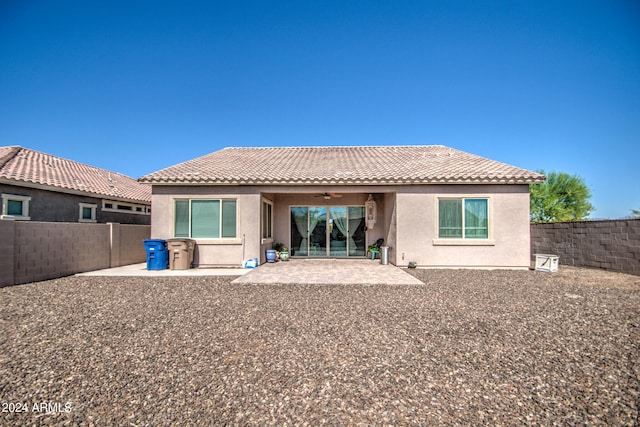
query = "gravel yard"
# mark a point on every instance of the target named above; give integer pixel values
(466, 348)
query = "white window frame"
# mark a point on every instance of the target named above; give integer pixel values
(463, 241)
(145, 209)
(214, 240)
(93, 207)
(268, 238)
(25, 207)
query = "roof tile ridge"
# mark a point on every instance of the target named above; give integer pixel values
(334, 146)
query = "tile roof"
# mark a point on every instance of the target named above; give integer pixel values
(342, 166)
(22, 166)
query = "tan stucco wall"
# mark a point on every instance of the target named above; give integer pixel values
(249, 242)
(390, 230)
(406, 220)
(210, 252)
(508, 245)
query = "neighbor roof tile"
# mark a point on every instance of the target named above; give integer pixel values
(21, 166)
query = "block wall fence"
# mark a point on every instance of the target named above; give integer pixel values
(33, 251)
(610, 245)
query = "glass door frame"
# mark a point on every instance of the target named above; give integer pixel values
(327, 231)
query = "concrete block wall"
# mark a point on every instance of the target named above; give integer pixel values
(130, 248)
(7, 247)
(610, 245)
(47, 250)
(34, 251)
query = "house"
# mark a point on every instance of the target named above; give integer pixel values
(40, 187)
(432, 205)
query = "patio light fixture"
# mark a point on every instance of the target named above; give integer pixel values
(372, 212)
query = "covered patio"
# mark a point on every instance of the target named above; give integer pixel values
(327, 221)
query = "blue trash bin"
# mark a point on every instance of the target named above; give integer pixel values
(157, 254)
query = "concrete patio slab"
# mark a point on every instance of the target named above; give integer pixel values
(141, 271)
(308, 271)
(328, 271)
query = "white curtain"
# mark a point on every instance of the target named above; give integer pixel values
(314, 216)
(301, 225)
(354, 223)
(341, 223)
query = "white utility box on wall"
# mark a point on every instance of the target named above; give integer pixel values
(546, 262)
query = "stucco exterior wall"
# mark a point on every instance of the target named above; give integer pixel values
(390, 226)
(249, 242)
(508, 244)
(406, 219)
(50, 206)
(268, 243)
(213, 252)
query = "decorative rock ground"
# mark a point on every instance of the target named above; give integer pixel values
(467, 347)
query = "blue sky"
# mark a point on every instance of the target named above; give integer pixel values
(137, 86)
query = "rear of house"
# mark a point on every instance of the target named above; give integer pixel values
(432, 205)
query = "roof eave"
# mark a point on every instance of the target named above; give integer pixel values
(406, 181)
(45, 187)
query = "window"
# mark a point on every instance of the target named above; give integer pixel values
(16, 207)
(205, 219)
(112, 206)
(267, 220)
(463, 218)
(88, 212)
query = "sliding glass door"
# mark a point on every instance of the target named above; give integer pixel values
(319, 231)
(357, 237)
(338, 232)
(308, 231)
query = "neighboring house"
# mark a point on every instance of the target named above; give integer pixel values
(40, 187)
(433, 205)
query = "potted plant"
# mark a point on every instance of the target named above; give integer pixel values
(281, 251)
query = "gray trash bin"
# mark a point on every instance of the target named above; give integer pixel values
(384, 255)
(180, 253)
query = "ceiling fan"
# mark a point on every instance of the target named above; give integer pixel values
(328, 196)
